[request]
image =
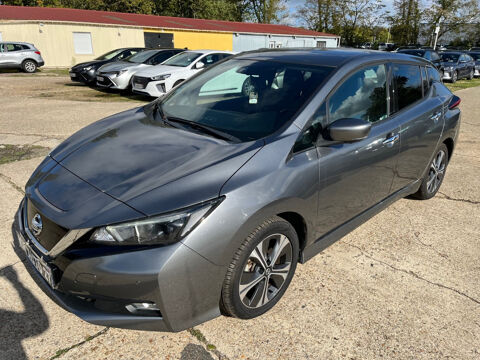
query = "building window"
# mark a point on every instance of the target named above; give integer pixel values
(82, 42)
(321, 44)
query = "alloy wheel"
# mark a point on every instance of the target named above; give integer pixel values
(265, 271)
(437, 171)
(454, 76)
(30, 67)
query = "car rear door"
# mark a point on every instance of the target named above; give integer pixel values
(418, 110)
(357, 175)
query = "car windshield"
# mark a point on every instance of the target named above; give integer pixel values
(475, 56)
(413, 52)
(109, 55)
(446, 57)
(183, 59)
(245, 99)
(141, 56)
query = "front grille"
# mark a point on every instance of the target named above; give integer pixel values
(50, 233)
(140, 82)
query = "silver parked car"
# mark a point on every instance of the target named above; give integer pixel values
(118, 75)
(20, 55)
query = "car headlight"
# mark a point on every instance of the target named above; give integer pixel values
(158, 230)
(448, 68)
(121, 72)
(160, 77)
(88, 68)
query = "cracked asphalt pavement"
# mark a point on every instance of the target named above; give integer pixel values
(405, 285)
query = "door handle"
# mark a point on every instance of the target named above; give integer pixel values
(391, 140)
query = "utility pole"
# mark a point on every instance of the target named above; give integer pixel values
(437, 30)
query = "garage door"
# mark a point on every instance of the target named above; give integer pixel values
(158, 40)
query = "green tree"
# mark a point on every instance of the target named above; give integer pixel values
(264, 11)
(405, 22)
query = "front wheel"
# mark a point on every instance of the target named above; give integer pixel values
(261, 270)
(435, 174)
(29, 66)
(454, 77)
(471, 74)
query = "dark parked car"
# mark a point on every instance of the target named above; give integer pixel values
(86, 72)
(428, 54)
(476, 57)
(457, 65)
(202, 202)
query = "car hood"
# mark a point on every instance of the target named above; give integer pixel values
(153, 168)
(159, 70)
(121, 65)
(95, 63)
(448, 64)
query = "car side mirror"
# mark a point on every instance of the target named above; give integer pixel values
(349, 129)
(199, 65)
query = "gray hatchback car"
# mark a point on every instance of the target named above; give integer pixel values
(202, 202)
(20, 55)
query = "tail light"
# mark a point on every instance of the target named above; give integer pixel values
(454, 102)
(37, 52)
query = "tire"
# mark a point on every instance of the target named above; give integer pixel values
(262, 244)
(29, 66)
(434, 177)
(470, 75)
(178, 82)
(454, 77)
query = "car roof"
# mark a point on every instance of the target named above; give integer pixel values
(326, 57)
(16, 42)
(203, 51)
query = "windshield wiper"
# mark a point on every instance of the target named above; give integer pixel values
(203, 128)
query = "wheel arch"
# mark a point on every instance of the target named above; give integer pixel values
(449, 143)
(299, 224)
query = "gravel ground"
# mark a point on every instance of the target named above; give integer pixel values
(405, 285)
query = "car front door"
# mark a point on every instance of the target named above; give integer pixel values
(357, 175)
(420, 116)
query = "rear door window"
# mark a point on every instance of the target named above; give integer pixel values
(408, 84)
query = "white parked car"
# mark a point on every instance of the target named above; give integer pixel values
(160, 79)
(118, 74)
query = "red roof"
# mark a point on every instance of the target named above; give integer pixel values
(114, 18)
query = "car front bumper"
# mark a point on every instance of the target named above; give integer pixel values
(152, 88)
(476, 73)
(447, 75)
(183, 285)
(87, 77)
(112, 81)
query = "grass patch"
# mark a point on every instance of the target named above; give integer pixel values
(60, 352)
(463, 84)
(10, 153)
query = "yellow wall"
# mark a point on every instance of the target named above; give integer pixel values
(55, 41)
(199, 40)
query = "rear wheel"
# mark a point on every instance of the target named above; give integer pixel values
(261, 270)
(435, 174)
(29, 66)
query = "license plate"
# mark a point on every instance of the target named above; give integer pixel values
(73, 75)
(100, 78)
(38, 263)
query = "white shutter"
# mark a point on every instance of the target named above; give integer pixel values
(82, 42)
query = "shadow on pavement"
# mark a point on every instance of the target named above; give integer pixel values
(16, 326)
(195, 352)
